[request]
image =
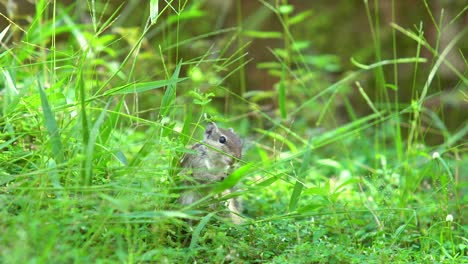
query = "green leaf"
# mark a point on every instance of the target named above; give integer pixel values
(154, 11)
(3, 33)
(263, 34)
(268, 65)
(184, 134)
(269, 181)
(144, 86)
(346, 183)
(188, 14)
(320, 191)
(84, 122)
(330, 163)
(120, 156)
(299, 17)
(7, 143)
(170, 94)
(391, 86)
(54, 175)
(11, 98)
(286, 9)
(458, 136)
(51, 125)
(301, 45)
(201, 99)
(234, 178)
(302, 171)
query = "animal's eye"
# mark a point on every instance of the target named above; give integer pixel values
(222, 139)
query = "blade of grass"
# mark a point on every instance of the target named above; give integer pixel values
(84, 122)
(398, 136)
(184, 135)
(7, 143)
(140, 87)
(298, 187)
(282, 92)
(414, 90)
(11, 96)
(170, 93)
(89, 154)
(51, 125)
(458, 136)
(388, 62)
(3, 33)
(263, 34)
(366, 98)
(234, 178)
(154, 11)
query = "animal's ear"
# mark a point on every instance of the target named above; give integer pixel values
(231, 129)
(210, 129)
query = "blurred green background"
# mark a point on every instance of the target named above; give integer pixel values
(327, 33)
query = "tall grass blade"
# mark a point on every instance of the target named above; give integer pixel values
(269, 181)
(234, 178)
(458, 136)
(388, 62)
(263, 34)
(143, 86)
(91, 144)
(54, 175)
(11, 97)
(282, 93)
(154, 11)
(51, 125)
(170, 94)
(366, 98)
(84, 124)
(299, 186)
(184, 135)
(3, 33)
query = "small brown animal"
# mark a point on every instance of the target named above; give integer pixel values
(212, 162)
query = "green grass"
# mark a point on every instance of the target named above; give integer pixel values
(99, 105)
